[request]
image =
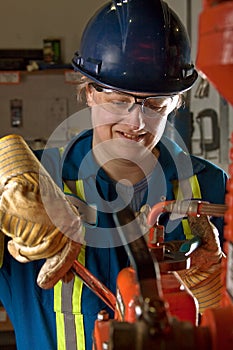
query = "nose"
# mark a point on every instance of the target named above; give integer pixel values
(135, 117)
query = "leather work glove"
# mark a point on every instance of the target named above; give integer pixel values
(203, 278)
(35, 213)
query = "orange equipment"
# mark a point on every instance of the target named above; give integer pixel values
(219, 321)
(152, 310)
(228, 234)
(215, 60)
(215, 45)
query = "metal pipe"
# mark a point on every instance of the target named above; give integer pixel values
(184, 208)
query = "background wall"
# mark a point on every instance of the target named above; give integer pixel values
(47, 98)
(25, 23)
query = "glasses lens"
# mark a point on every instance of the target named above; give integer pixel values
(122, 103)
(156, 105)
(157, 102)
(118, 107)
(113, 101)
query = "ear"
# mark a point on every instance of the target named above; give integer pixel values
(89, 95)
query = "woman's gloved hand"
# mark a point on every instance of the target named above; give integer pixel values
(203, 278)
(35, 213)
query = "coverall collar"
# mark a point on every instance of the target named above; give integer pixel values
(78, 160)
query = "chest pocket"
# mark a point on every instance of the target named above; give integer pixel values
(183, 188)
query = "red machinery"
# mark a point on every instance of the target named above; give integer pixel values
(153, 309)
(215, 60)
(215, 46)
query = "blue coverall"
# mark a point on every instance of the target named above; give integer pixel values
(30, 308)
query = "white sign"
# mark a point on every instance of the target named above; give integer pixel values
(70, 76)
(9, 77)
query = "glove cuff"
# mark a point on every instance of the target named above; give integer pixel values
(205, 286)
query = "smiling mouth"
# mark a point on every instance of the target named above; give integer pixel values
(136, 138)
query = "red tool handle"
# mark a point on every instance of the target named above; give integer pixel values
(94, 284)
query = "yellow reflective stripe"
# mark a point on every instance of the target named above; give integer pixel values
(76, 295)
(66, 188)
(80, 332)
(78, 285)
(61, 150)
(179, 196)
(79, 183)
(61, 341)
(176, 190)
(80, 189)
(76, 305)
(186, 228)
(195, 186)
(61, 344)
(57, 295)
(196, 193)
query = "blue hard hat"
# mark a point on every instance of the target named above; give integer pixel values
(136, 46)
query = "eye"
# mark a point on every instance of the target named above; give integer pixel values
(119, 102)
(154, 107)
(158, 105)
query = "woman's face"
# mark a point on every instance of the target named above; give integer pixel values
(122, 127)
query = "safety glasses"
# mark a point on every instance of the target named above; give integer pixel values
(123, 103)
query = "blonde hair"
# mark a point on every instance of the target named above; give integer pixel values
(82, 82)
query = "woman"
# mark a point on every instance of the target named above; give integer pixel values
(132, 76)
